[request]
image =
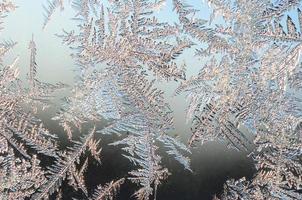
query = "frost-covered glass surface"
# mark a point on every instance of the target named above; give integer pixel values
(151, 99)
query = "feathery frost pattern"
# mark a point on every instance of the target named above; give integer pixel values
(247, 87)
(247, 94)
(25, 142)
(116, 87)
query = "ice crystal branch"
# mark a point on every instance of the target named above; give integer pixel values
(116, 86)
(39, 92)
(65, 167)
(237, 78)
(19, 178)
(20, 134)
(107, 192)
(50, 8)
(25, 142)
(247, 87)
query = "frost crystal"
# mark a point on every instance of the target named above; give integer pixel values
(249, 85)
(117, 86)
(247, 94)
